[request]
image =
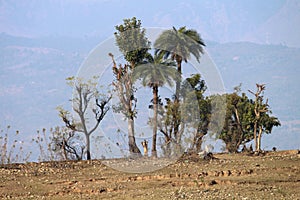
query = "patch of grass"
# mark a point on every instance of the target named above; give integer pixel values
(11, 149)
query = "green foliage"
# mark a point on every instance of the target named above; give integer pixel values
(268, 122)
(194, 115)
(196, 108)
(238, 125)
(132, 41)
(179, 44)
(156, 72)
(240, 120)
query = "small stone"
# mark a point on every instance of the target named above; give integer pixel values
(212, 182)
(102, 189)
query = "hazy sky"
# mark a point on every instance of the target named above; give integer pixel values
(216, 20)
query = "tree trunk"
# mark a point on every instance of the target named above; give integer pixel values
(258, 149)
(240, 127)
(176, 115)
(64, 150)
(155, 107)
(178, 60)
(255, 134)
(133, 148)
(197, 143)
(88, 147)
(257, 116)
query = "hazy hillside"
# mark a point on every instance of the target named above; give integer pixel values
(32, 76)
(33, 72)
(276, 66)
(281, 28)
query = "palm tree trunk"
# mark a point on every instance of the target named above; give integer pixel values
(155, 108)
(176, 115)
(178, 61)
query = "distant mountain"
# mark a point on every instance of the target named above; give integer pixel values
(267, 22)
(281, 28)
(63, 43)
(221, 21)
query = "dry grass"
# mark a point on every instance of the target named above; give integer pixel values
(275, 175)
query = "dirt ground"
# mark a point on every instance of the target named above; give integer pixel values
(275, 175)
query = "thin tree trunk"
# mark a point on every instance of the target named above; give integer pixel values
(88, 147)
(133, 148)
(155, 107)
(240, 127)
(255, 134)
(177, 93)
(259, 139)
(257, 116)
(64, 149)
(178, 81)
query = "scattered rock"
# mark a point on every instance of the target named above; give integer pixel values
(294, 152)
(102, 189)
(226, 173)
(212, 182)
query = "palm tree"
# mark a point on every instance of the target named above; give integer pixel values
(155, 73)
(179, 45)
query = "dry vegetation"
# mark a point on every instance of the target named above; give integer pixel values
(275, 175)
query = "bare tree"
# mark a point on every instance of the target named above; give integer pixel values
(66, 144)
(84, 94)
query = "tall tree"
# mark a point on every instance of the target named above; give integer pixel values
(132, 42)
(85, 93)
(262, 122)
(155, 73)
(125, 90)
(195, 120)
(179, 45)
(196, 108)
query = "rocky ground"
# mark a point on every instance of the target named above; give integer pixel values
(274, 175)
